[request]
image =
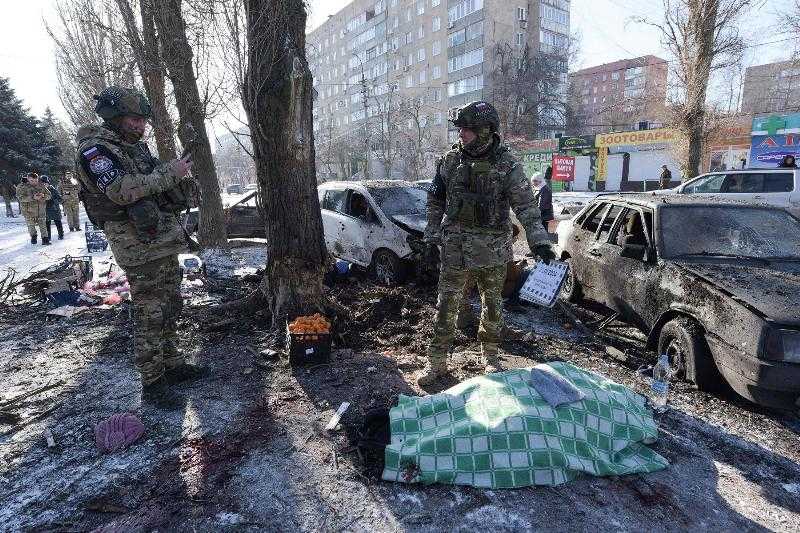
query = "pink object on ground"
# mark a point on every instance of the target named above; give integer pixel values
(118, 432)
(112, 299)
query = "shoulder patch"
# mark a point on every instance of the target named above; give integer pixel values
(101, 165)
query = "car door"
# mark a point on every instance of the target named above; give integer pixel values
(599, 255)
(334, 219)
(580, 240)
(361, 227)
(244, 218)
(631, 282)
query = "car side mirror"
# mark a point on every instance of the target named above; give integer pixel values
(633, 251)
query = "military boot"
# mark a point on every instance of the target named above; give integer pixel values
(184, 372)
(45, 241)
(158, 393)
(33, 239)
(434, 370)
(489, 358)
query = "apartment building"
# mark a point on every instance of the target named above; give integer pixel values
(427, 56)
(772, 88)
(621, 96)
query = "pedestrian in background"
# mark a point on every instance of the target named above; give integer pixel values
(788, 162)
(544, 195)
(33, 196)
(69, 197)
(53, 209)
(665, 180)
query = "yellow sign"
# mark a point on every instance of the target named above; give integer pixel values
(635, 138)
(601, 165)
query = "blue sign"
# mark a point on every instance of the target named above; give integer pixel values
(768, 151)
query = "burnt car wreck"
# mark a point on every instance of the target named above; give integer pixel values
(713, 283)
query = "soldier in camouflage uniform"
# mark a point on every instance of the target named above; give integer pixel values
(123, 189)
(476, 185)
(33, 196)
(69, 198)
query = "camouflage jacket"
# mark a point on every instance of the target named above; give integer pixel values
(120, 174)
(29, 204)
(469, 208)
(69, 192)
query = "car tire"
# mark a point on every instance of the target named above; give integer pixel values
(571, 290)
(683, 340)
(387, 268)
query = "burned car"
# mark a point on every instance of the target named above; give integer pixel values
(715, 284)
(243, 219)
(375, 224)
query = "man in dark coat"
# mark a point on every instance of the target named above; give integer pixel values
(545, 196)
(665, 180)
(53, 209)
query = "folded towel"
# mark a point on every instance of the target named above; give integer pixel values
(554, 388)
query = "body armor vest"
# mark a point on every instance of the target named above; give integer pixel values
(476, 195)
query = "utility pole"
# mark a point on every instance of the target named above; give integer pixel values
(364, 96)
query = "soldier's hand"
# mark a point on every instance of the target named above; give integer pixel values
(183, 165)
(545, 253)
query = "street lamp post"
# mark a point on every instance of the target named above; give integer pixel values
(364, 95)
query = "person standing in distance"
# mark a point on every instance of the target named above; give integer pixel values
(476, 184)
(33, 196)
(123, 188)
(71, 201)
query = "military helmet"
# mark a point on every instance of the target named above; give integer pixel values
(476, 115)
(118, 102)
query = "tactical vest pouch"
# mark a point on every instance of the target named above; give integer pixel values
(185, 195)
(145, 217)
(100, 209)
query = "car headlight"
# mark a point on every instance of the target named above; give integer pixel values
(783, 345)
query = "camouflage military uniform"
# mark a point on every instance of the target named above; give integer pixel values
(469, 216)
(33, 208)
(121, 174)
(71, 201)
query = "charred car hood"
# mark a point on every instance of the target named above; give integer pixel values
(773, 291)
(411, 223)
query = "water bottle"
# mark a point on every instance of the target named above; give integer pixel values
(660, 385)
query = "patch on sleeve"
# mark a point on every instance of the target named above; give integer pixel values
(102, 165)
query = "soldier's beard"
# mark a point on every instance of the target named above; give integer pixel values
(480, 144)
(128, 134)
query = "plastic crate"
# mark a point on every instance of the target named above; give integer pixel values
(309, 348)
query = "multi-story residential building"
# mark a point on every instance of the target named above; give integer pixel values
(624, 95)
(772, 88)
(388, 72)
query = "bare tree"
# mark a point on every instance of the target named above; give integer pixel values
(144, 46)
(178, 57)
(416, 140)
(278, 100)
(88, 56)
(703, 37)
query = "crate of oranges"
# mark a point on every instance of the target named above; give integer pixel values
(309, 340)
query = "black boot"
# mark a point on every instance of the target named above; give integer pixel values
(33, 239)
(158, 393)
(45, 241)
(184, 372)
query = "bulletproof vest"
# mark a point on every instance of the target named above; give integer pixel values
(476, 196)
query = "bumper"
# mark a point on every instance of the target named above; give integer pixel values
(768, 383)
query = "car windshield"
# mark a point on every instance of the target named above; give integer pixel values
(395, 201)
(729, 231)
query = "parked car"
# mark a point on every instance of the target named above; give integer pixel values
(374, 224)
(774, 186)
(251, 187)
(243, 219)
(236, 188)
(715, 284)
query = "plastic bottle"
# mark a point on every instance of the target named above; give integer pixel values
(660, 385)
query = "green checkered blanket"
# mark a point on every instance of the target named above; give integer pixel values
(496, 431)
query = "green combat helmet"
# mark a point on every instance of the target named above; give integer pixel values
(477, 115)
(115, 102)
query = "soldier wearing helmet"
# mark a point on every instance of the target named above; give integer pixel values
(476, 185)
(122, 187)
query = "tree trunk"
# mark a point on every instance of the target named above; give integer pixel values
(148, 59)
(178, 58)
(278, 102)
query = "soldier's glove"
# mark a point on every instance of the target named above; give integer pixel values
(545, 253)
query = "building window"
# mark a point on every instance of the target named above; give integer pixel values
(436, 48)
(463, 8)
(435, 3)
(436, 25)
(409, 38)
(421, 55)
(421, 32)
(410, 60)
(522, 13)
(468, 59)
(467, 85)
(408, 15)
(423, 77)
(466, 34)
(437, 118)
(421, 8)
(409, 81)
(615, 76)
(520, 39)
(437, 72)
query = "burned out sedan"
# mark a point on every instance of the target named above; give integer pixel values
(714, 284)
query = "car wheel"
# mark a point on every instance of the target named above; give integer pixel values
(387, 268)
(682, 339)
(571, 290)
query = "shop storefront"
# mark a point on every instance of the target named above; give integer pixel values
(774, 137)
(581, 148)
(730, 147)
(632, 160)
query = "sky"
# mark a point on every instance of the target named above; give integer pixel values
(605, 28)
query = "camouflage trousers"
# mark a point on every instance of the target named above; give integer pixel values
(36, 221)
(157, 304)
(451, 292)
(71, 210)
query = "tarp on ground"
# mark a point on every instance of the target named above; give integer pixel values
(497, 431)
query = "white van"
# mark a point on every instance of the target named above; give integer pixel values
(773, 186)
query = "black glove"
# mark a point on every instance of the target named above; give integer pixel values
(545, 253)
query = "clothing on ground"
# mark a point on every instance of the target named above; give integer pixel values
(553, 387)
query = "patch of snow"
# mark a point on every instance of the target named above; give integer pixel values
(405, 497)
(229, 519)
(489, 515)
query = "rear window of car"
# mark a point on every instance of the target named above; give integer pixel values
(779, 182)
(608, 222)
(335, 201)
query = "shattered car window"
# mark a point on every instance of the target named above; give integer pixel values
(740, 231)
(395, 201)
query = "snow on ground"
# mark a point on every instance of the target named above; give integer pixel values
(17, 252)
